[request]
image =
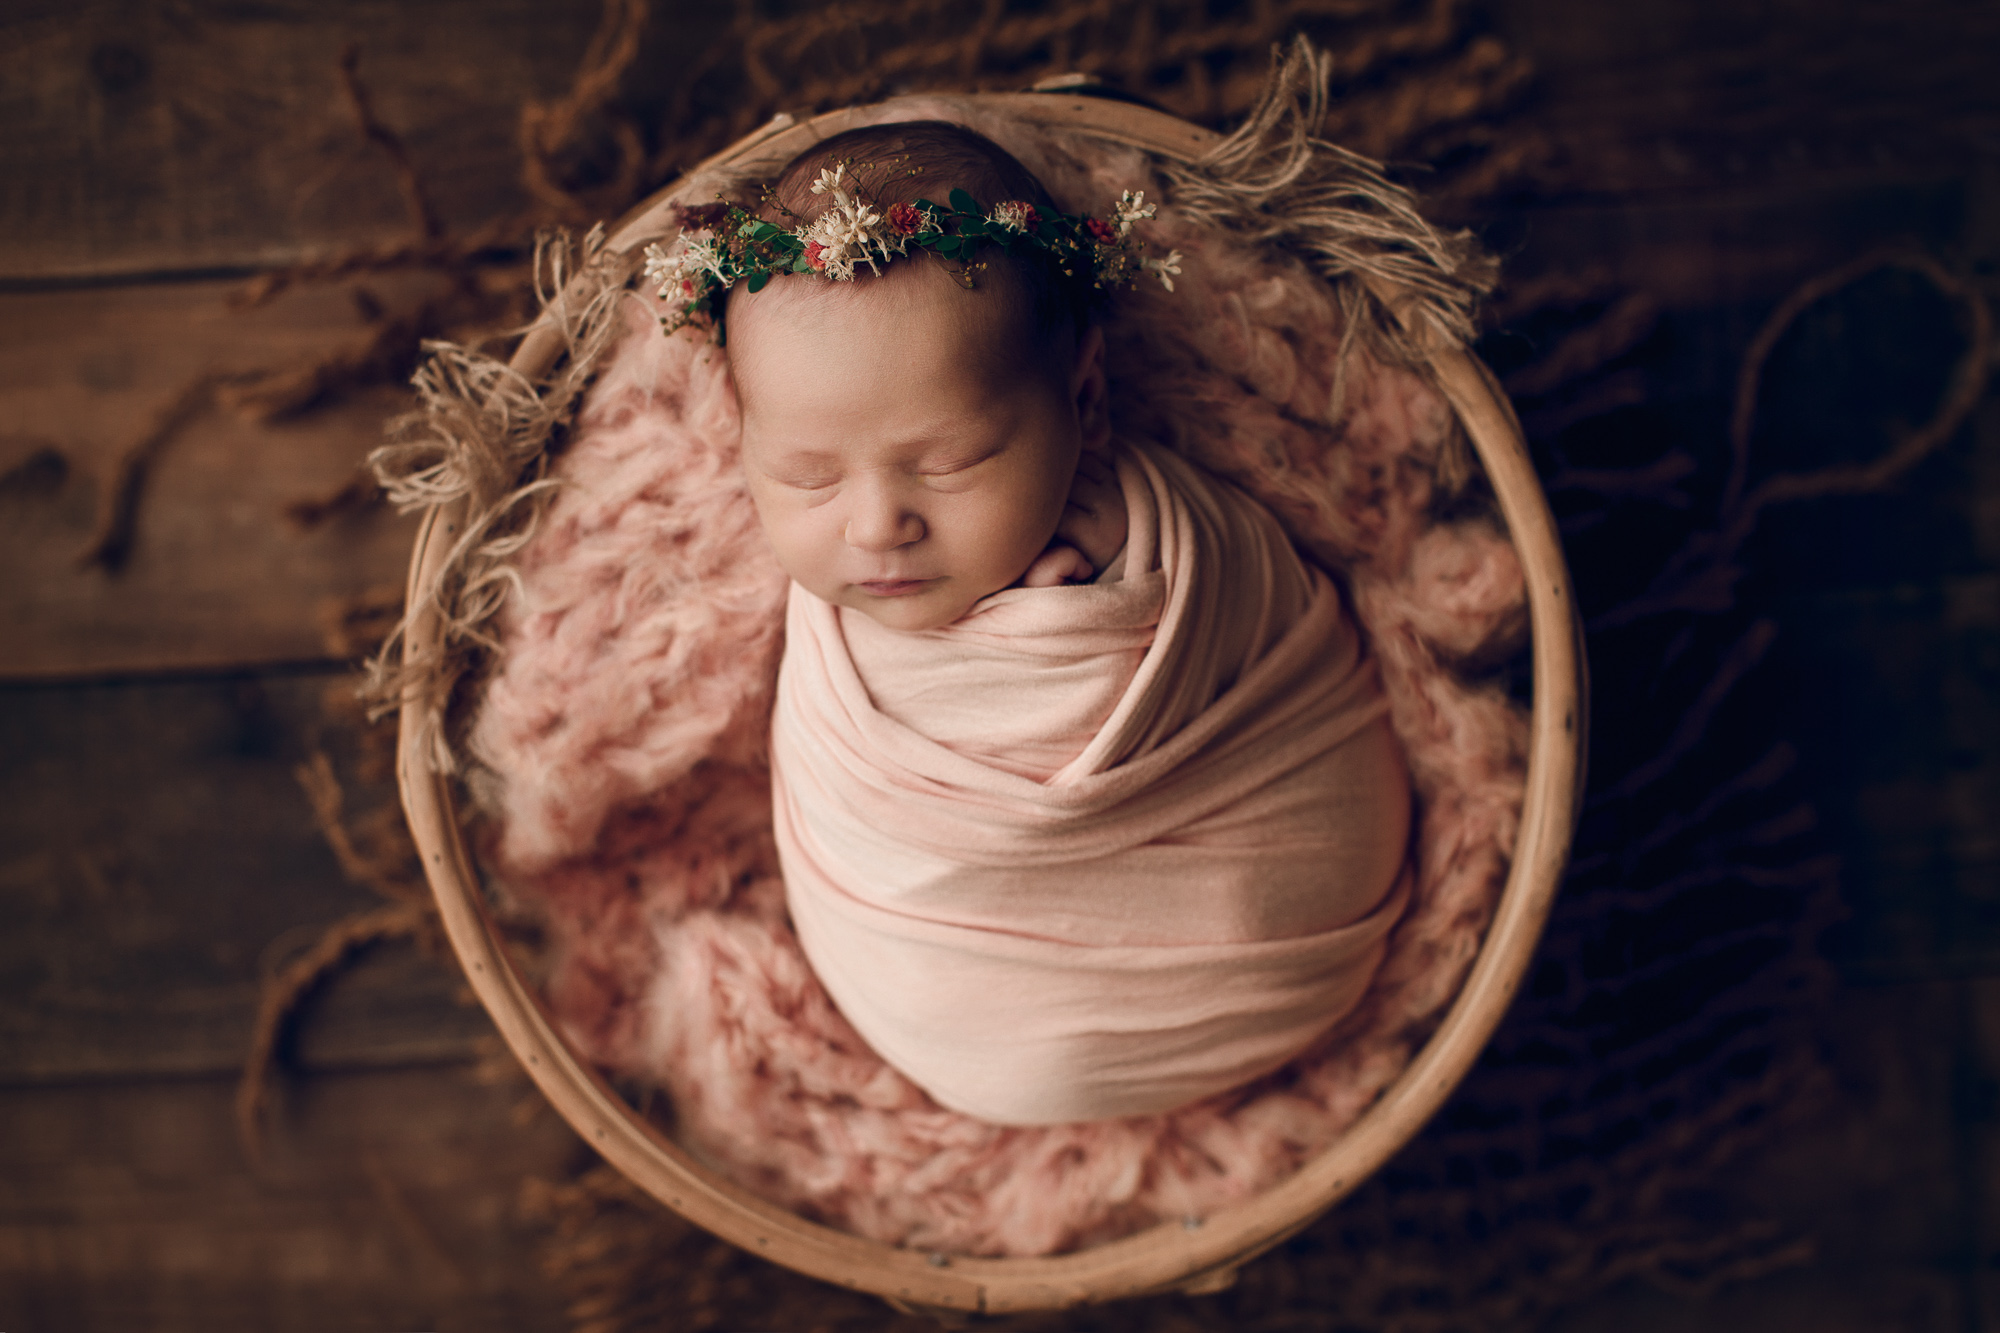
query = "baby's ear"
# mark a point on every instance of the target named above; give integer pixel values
(1090, 391)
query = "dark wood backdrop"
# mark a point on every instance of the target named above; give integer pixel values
(160, 855)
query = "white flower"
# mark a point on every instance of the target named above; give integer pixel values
(683, 265)
(849, 233)
(1132, 208)
(840, 247)
(668, 268)
(704, 255)
(1168, 268)
(1013, 214)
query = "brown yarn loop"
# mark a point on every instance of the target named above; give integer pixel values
(415, 197)
(407, 913)
(1968, 381)
(1702, 575)
(547, 128)
(1203, 66)
(117, 526)
(283, 994)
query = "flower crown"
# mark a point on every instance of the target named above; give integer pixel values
(735, 245)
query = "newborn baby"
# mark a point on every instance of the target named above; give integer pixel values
(1085, 796)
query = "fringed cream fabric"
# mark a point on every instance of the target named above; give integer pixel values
(477, 448)
(1405, 287)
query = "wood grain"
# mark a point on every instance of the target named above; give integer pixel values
(1906, 681)
(1658, 100)
(145, 138)
(218, 575)
(156, 858)
(387, 1200)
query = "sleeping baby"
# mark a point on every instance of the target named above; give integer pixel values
(1084, 790)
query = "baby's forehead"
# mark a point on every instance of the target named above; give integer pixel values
(988, 324)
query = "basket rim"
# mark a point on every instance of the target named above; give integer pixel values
(1168, 1255)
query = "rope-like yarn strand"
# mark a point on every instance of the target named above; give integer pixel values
(478, 446)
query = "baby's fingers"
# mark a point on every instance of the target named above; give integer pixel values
(1058, 565)
(1095, 494)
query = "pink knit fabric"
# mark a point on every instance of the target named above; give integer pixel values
(626, 792)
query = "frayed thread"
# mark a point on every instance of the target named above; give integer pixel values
(477, 447)
(1406, 290)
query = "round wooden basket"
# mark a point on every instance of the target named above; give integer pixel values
(1170, 1256)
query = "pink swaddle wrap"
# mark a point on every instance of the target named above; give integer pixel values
(1098, 850)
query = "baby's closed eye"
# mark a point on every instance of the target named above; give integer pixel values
(957, 476)
(800, 470)
(952, 464)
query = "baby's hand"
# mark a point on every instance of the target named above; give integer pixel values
(1059, 564)
(1093, 521)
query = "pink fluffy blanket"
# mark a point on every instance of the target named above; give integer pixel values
(1180, 903)
(625, 788)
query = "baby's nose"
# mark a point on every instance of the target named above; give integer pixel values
(882, 522)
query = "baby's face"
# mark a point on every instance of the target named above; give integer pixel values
(903, 461)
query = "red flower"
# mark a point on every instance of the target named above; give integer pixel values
(815, 253)
(905, 219)
(1100, 230)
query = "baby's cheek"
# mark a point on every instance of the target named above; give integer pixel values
(790, 540)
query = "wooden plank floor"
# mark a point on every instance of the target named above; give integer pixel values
(86, 371)
(389, 1200)
(158, 855)
(174, 139)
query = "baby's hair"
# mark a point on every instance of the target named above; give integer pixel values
(909, 160)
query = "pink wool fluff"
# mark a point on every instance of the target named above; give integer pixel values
(628, 804)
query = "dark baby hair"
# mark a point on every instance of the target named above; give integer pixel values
(926, 159)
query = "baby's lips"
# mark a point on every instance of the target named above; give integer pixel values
(893, 583)
(893, 587)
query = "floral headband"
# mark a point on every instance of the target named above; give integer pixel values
(738, 246)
